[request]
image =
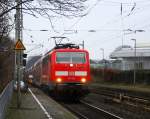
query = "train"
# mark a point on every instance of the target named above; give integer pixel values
(63, 70)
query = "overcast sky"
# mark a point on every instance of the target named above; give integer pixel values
(104, 17)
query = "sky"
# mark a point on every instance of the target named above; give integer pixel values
(104, 18)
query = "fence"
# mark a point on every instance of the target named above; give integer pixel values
(5, 97)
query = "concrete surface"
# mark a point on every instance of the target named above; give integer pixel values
(30, 109)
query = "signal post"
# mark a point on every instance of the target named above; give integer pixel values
(19, 47)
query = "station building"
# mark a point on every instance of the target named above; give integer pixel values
(124, 58)
(100, 64)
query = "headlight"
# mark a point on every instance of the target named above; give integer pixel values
(83, 80)
(58, 80)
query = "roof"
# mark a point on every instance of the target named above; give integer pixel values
(67, 50)
(65, 47)
(129, 52)
(103, 61)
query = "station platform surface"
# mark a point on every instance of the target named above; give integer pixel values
(36, 105)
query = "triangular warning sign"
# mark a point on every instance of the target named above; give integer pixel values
(19, 45)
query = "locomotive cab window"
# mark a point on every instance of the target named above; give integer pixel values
(70, 57)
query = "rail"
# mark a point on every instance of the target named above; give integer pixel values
(110, 115)
(125, 98)
(84, 110)
(5, 97)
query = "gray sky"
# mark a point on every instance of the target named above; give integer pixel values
(104, 17)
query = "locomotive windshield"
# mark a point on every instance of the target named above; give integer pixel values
(70, 57)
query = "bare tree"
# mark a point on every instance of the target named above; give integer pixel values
(45, 8)
(5, 19)
(62, 7)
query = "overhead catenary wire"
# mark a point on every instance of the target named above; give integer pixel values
(88, 12)
(125, 3)
(81, 30)
(77, 22)
(133, 8)
(124, 16)
(85, 30)
(118, 15)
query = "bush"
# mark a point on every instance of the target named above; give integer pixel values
(6, 62)
(115, 76)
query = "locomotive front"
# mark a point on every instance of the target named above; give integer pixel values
(71, 70)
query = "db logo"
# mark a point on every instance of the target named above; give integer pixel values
(71, 73)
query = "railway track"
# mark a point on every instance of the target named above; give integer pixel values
(124, 98)
(94, 107)
(85, 110)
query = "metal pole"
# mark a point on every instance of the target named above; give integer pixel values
(134, 75)
(135, 31)
(134, 62)
(103, 54)
(18, 30)
(104, 63)
(83, 44)
(122, 25)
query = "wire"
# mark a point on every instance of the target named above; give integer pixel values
(126, 3)
(118, 15)
(96, 3)
(116, 19)
(76, 30)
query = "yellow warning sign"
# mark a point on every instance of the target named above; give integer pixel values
(19, 45)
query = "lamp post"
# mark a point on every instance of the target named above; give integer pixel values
(134, 78)
(135, 31)
(102, 49)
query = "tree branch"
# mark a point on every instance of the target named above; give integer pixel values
(14, 7)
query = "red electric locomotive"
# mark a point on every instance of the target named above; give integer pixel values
(66, 68)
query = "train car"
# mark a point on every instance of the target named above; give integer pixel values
(64, 69)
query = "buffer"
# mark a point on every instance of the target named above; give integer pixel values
(19, 45)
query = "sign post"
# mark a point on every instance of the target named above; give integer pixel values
(19, 47)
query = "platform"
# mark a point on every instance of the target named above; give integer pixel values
(43, 107)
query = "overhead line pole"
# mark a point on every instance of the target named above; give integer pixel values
(122, 25)
(135, 56)
(18, 54)
(134, 72)
(102, 49)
